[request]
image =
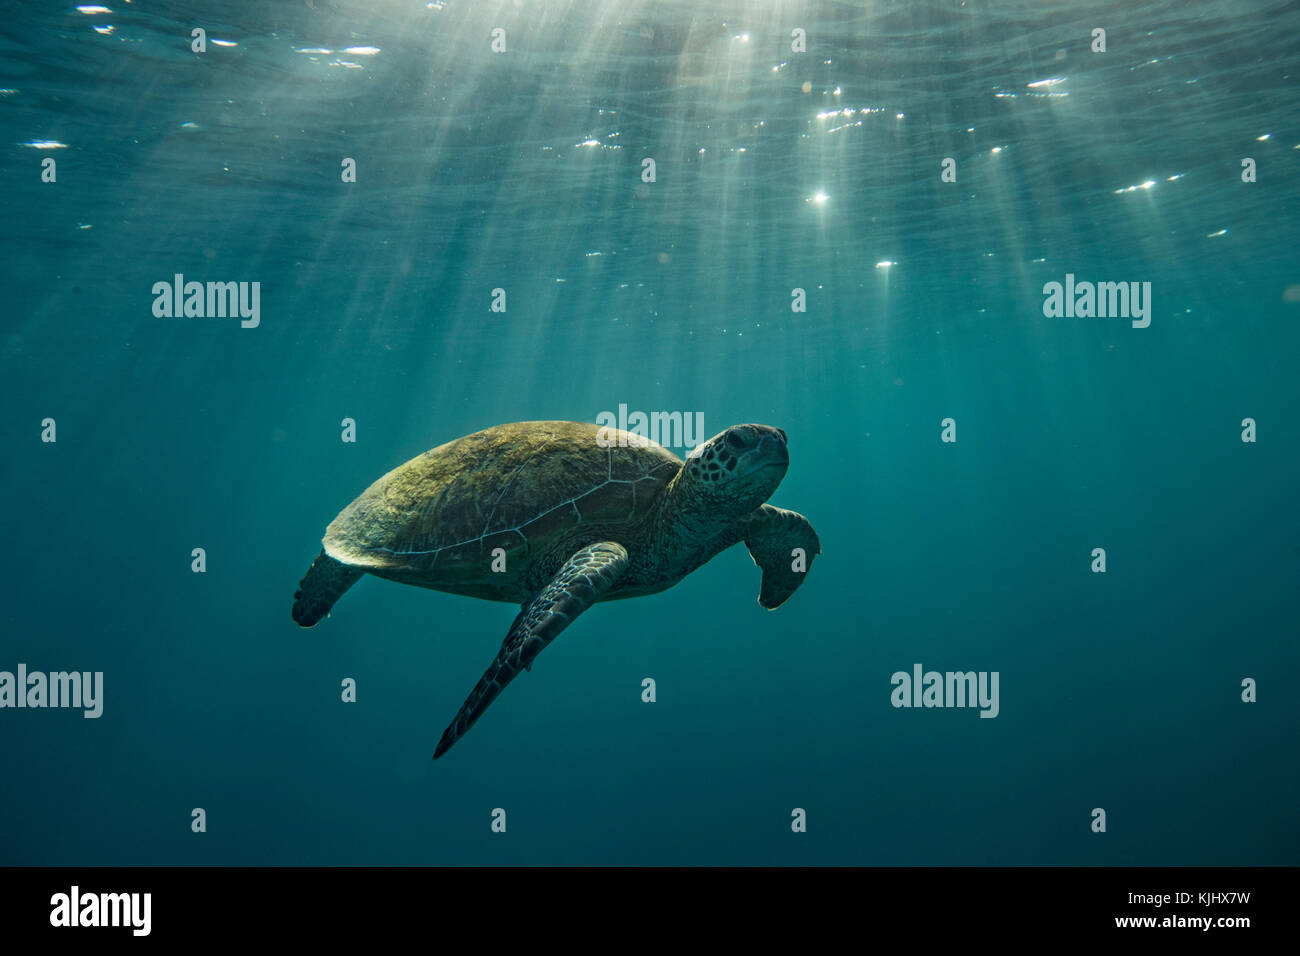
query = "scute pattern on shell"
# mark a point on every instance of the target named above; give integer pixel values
(521, 487)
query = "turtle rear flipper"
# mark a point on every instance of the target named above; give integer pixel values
(322, 585)
(579, 584)
(782, 543)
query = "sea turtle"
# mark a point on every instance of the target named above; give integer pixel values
(556, 516)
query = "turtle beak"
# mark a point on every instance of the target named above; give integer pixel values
(774, 444)
(771, 451)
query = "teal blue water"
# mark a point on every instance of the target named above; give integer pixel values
(774, 171)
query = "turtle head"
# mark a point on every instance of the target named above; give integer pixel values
(737, 470)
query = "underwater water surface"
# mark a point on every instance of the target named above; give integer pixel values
(851, 241)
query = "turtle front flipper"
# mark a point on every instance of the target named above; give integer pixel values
(782, 543)
(579, 584)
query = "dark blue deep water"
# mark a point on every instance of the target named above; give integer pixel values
(774, 170)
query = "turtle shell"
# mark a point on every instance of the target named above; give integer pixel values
(536, 490)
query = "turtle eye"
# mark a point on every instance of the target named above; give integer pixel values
(734, 440)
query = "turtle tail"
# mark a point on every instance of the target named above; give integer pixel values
(322, 585)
